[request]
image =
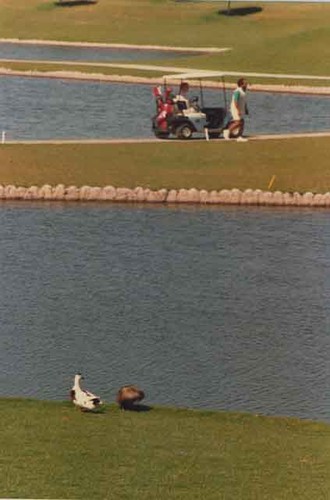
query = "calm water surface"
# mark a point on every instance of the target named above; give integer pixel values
(71, 53)
(33, 108)
(202, 307)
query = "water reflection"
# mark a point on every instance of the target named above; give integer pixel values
(201, 307)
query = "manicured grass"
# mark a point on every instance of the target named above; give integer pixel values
(290, 38)
(85, 70)
(299, 164)
(103, 70)
(52, 450)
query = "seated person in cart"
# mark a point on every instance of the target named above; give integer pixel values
(182, 101)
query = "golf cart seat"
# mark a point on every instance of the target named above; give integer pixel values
(215, 117)
(181, 105)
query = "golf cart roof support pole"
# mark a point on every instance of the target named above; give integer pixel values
(224, 92)
(201, 92)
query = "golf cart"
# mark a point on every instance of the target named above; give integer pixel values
(182, 117)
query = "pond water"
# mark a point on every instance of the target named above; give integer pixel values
(46, 52)
(218, 308)
(42, 108)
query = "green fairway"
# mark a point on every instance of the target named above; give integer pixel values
(283, 38)
(52, 450)
(299, 164)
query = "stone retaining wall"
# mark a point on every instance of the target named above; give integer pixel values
(139, 194)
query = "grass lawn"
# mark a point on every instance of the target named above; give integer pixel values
(52, 450)
(283, 38)
(103, 70)
(299, 164)
(87, 70)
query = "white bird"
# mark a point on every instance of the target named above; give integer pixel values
(83, 399)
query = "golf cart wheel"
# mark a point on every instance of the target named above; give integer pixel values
(234, 134)
(184, 131)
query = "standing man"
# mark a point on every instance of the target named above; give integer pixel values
(238, 109)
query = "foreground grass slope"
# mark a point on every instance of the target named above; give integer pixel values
(299, 164)
(51, 450)
(291, 38)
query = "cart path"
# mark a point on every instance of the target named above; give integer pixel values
(167, 141)
(114, 45)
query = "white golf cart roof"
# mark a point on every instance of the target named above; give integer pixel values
(202, 74)
(190, 75)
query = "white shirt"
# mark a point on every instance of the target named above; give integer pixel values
(238, 101)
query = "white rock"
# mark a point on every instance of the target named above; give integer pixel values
(72, 193)
(59, 192)
(172, 196)
(109, 193)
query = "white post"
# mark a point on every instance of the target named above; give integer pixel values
(3, 137)
(207, 134)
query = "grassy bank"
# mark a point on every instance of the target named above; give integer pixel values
(103, 70)
(284, 38)
(299, 164)
(128, 73)
(52, 450)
